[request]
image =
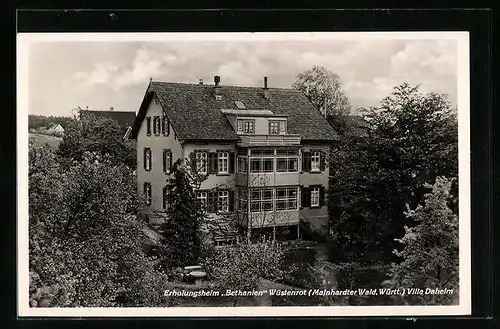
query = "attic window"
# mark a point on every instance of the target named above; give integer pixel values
(218, 97)
(240, 105)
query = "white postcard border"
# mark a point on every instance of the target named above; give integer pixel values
(463, 85)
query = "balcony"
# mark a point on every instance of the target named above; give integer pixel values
(269, 140)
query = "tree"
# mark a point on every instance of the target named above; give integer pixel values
(39, 121)
(95, 134)
(181, 229)
(242, 266)
(411, 140)
(85, 241)
(324, 90)
(429, 258)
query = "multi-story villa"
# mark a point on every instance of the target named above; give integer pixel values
(263, 150)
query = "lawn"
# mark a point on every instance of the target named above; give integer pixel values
(41, 140)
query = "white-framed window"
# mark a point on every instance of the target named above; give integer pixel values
(274, 127)
(242, 164)
(201, 162)
(156, 125)
(315, 160)
(147, 193)
(287, 151)
(147, 159)
(249, 126)
(223, 202)
(239, 124)
(242, 198)
(165, 126)
(264, 152)
(201, 199)
(286, 198)
(167, 161)
(223, 162)
(261, 165)
(261, 199)
(287, 164)
(315, 197)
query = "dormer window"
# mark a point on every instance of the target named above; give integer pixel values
(274, 127)
(240, 105)
(245, 125)
(218, 97)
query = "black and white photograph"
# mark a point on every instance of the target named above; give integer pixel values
(236, 174)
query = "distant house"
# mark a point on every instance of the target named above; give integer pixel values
(56, 128)
(125, 119)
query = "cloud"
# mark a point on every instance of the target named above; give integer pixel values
(100, 74)
(116, 74)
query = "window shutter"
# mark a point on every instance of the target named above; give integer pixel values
(212, 163)
(144, 159)
(167, 126)
(306, 197)
(171, 161)
(165, 160)
(150, 159)
(192, 161)
(321, 196)
(148, 126)
(322, 161)
(231, 162)
(162, 123)
(231, 200)
(306, 161)
(302, 197)
(212, 201)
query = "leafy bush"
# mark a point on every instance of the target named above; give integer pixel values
(98, 135)
(429, 258)
(241, 267)
(84, 237)
(410, 140)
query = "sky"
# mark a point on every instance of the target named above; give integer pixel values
(101, 74)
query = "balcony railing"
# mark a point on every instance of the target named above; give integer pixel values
(269, 140)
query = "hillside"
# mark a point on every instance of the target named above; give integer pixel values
(40, 140)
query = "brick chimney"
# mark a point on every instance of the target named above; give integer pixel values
(265, 89)
(111, 108)
(217, 87)
(200, 81)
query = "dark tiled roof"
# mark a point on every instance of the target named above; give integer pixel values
(357, 125)
(124, 118)
(195, 114)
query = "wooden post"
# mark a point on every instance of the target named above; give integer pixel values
(298, 232)
(274, 233)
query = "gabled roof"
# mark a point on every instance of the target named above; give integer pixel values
(54, 126)
(124, 118)
(195, 114)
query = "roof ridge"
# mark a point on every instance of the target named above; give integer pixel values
(232, 86)
(110, 111)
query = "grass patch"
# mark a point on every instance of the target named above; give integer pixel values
(41, 140)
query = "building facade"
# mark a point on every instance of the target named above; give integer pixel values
(262, 152)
